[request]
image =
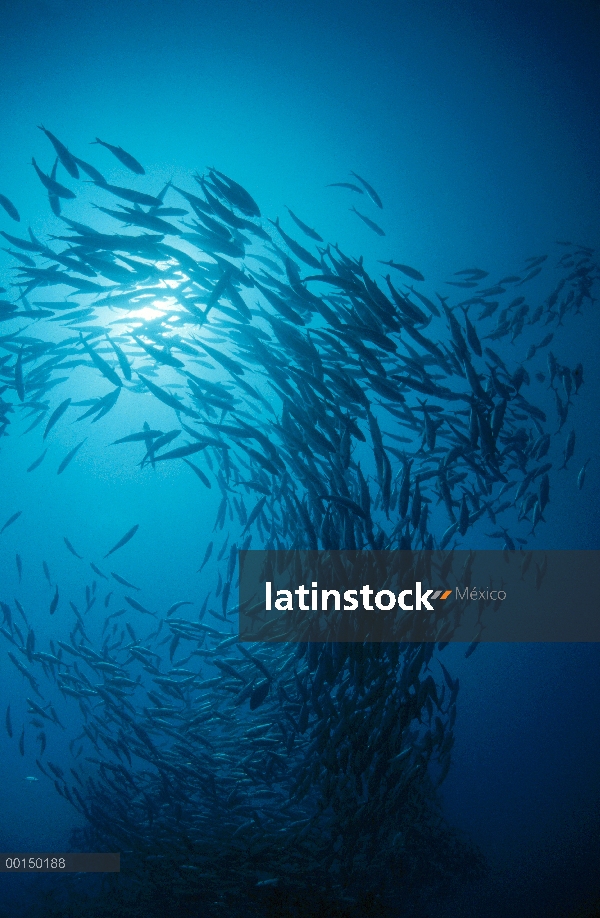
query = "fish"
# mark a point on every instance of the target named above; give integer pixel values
(155, 445)
(159, 356)
(66, 159)
(124, 582)
(100, 407)
(299, 251)
(476, 273)
(100, 363)
(236, 193)
(22, 243)
(141, 437)
(305, 229)
(69, 457)
(34, 465)
(96, 570)
(472, 337)
(51, 186)
(220, 210)
(581, 475)
(24, 259)
(10, 208)
(166, 397)
(203, 478)
(124, 540)
(369, 189)
(126, 158)
(569, 449)
(123, 361)
(530, 276)
(54, 603)
(410, 272)
(182, 451)
(71, 549)
(235, 368)
(56, 416)
(130, 194)
(207, 555)
(12, 519)
(91, 171)
(370, 223)
(348, 185)
(427, 303)
(255, 512)
(259, 694)
(472, 647)
(8, 722)
(137, 606)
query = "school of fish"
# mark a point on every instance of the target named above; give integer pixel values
(330, 408)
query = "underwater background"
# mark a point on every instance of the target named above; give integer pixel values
(477, 124)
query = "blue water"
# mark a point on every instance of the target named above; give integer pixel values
(477, 123)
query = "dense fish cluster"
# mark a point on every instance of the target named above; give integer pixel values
(329, 408)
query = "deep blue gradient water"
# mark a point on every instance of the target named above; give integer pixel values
(477, 122)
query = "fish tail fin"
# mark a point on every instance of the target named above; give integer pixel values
(97, 140)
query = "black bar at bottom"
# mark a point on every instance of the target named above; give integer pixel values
(60, 863)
